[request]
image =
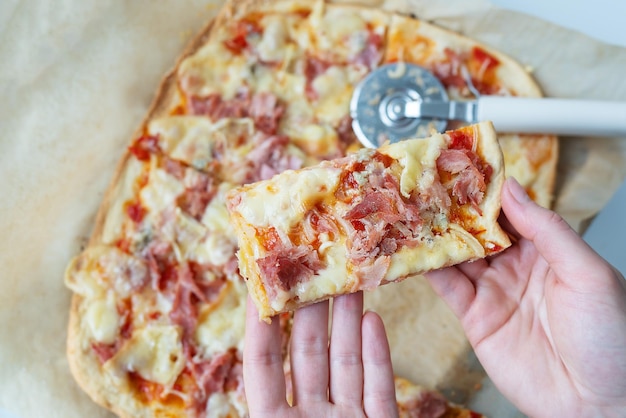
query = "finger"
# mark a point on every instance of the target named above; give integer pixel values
(309, 353)
(564, 250)
(379, 393)
(346, 366)
(262, 363)
(454, 287)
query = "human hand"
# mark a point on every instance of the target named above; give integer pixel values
(346, 374)
(546, 317)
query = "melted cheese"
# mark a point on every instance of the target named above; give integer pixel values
(154, 352)
(334, 94)
(452, 247)
(316, 138)
(220, 244)
(216, 217)
(221, 325)
(283, 202)
(124, 191)
(193, 139)
(418, 158)
(226, 405)
(186, 233)
(330, 280)
(161, 192)
(214, 69)
(343, 31)
(218, 406)
(101, 268)
(516, 162)
(340, 31)
(271, 48)
(102, 319)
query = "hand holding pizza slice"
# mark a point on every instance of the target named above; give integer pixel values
(371, 218)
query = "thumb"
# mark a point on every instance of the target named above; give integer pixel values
(564, 250)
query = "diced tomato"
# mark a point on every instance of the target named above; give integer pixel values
(358, 225)
(148, 391)
(384, 159)
(461, 139)
(484, 58)
(348, 182)
(123, 244)
(135, 212)
(242, 30)
(145, 146)
(269, 238)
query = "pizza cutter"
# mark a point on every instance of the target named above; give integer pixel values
(401, 100)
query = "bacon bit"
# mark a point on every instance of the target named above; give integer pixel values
(242, 30)
(313, 67)
(104, 351)
(205, 105)
(461, 139)
(448, 70)
(345, 132)
(269, 156)
(145, 146)
(475, 415)
(266, 110)
(289, 266)
(195, 202)
(484, 59)
(135, 211)
(373, 203)
(371, 55)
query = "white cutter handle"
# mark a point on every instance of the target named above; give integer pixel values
(553, 116)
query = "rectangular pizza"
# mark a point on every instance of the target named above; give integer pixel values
(373, 217)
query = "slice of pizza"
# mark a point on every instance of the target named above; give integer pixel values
(418, 401)
(373, 217)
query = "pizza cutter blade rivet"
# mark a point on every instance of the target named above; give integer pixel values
(395, 85)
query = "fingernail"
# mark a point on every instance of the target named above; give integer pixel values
(517, 191)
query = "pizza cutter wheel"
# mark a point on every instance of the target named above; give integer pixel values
(400, 100)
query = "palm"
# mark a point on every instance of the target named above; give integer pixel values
(541, 328)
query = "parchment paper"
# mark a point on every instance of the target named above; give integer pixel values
(76, 77)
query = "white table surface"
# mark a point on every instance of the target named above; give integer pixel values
(604, 22)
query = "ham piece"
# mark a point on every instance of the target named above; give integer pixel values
(264, 108)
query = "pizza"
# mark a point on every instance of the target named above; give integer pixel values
(157, 313)
(415, 401)
(373, 217)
